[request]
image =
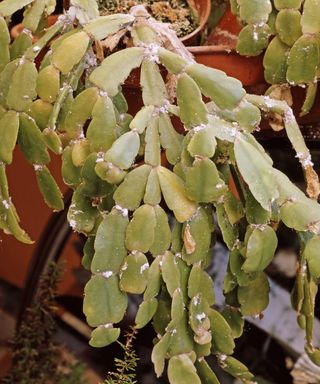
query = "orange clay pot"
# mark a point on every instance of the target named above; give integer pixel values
(248, 70)
(203, 8)
(219, 52)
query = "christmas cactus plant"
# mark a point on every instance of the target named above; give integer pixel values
(292, 54)
(145, 190)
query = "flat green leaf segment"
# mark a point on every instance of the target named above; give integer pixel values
(150, 173)
(9, 7)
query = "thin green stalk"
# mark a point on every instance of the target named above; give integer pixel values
(36, 48)
(66, 88)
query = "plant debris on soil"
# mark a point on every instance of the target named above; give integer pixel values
(178, 13)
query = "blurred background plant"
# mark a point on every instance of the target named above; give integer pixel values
(35, 358)
(150, 174)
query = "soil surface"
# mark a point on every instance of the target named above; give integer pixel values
(178, 13)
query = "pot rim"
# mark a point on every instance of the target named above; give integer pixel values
(204, 14)
(207, 49)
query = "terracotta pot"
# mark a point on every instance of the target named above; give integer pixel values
(219, 52)
(248, 70)
(233, 188)
(203, 7)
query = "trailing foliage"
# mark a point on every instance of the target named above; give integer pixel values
(288, 31)
(130, 173)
